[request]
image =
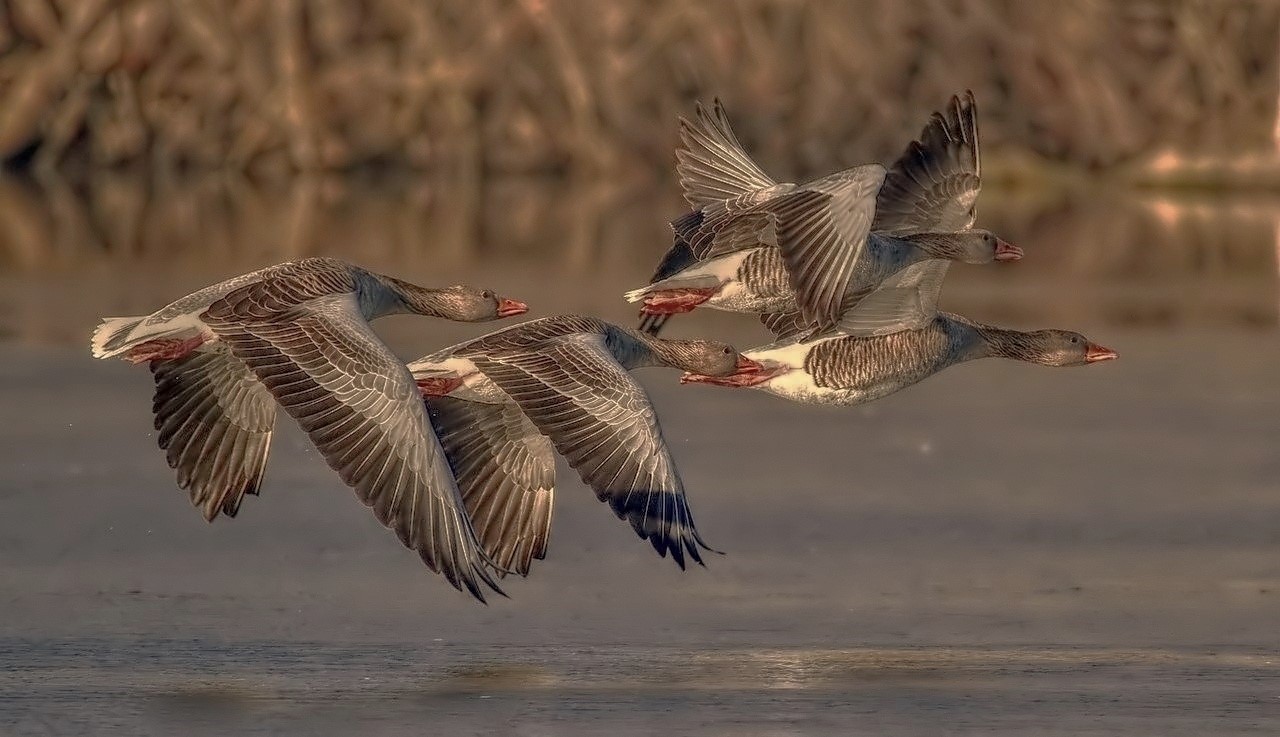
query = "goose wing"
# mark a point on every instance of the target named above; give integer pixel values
(359, 405)
(600, 420)
(933, 186)
(904, 301)
(506, 471)
(214, 420)
(710, 162)
(822, 233)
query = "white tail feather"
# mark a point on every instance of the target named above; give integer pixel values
(637, 295)
(112, 336)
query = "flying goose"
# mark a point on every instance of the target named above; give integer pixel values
(502, 402)
(892, 339)
(753, 245)
(298, 334)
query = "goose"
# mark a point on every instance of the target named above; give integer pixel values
(753, 245)
(297, 334)
(895, 338)
(504, 403)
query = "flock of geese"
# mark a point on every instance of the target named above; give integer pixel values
(455, 451)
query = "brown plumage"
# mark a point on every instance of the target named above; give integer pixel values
(297, 334)
(834, 241)
(568, 378)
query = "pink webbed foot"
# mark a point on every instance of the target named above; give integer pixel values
(676, 301)
(163, 349)
(438, 386)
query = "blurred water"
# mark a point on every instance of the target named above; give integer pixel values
(1003, 549)
(119, 244)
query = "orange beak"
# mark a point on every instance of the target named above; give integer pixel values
(1006, 251)
(511, 307)
(747, 366)
(1094, 353)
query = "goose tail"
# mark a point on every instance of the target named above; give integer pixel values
(112, 336)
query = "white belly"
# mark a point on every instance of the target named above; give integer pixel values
(797, 384)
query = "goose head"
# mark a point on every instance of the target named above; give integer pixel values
(1053, 348)
(756, 372)
(468, 304)
(983, 247)
(709, 357)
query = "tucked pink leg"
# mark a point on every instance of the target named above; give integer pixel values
(676, 301)
(163, 349)
(438, 386)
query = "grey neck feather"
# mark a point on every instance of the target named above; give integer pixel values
(988, 341)
(386, 295)
(936, 245)
(634, 349)
(896, 253)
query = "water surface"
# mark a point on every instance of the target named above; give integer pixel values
(1003, 549)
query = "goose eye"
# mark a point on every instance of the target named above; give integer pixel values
(488, 294)
(727, 350)
(1075, 340)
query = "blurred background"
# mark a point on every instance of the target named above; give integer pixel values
(1132, 146)
(1001, 545)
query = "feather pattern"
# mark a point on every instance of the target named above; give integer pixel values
(214, 420)
(505, 469)
(870, 363)
(822, 234)
(906, 300)
(931, 188)
(315, 353)
(710, 162)
(784, 325)
(933, 185)
(601, 421)
(568, 375)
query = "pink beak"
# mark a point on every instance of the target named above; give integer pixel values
(511, 307)
(749, 373)
(1094, 353)
(1006, 251)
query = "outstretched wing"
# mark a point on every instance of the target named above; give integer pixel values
(359, 405)
(933, 186)
(710, 162)
(214, 420)
(906, 300)
(601, 421)
(506, 471)
(822, 233)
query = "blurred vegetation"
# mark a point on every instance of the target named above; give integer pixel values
(483, 86)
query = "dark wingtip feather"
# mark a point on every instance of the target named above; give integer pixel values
(652, 324)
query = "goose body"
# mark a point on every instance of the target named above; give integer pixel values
(844, 369)
(506, 402)
(756, 280)
(850, 370)
(830, 242)
(297, 335)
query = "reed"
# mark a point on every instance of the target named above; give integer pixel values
(472, 87)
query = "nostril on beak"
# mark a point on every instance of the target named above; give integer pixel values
(1006, 251)
(510, 307)
(1094, 353)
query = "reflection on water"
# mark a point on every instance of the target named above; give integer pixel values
(115, 243)
(168, 687)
